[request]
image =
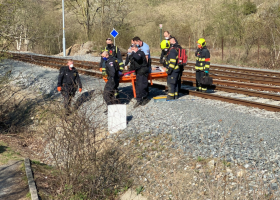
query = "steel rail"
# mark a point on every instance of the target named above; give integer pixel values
(237, 84)
(275, 81)
(94, 65)
(194, 93)
(191, 65)
(235, 101)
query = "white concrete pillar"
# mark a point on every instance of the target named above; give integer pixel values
(116, 118)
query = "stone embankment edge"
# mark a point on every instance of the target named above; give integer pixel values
(31, 182)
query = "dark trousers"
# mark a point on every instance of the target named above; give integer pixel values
(179, 78)
(109, 91)
(172, 83)
(68, 93)
(199, 87)
(142, 87)
(116, 90)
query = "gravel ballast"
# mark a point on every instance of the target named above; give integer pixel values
(205, 128)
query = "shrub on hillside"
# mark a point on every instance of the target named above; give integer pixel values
(249, 8)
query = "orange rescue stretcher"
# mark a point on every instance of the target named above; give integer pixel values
(131, 77)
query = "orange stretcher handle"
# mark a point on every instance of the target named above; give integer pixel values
(132, 78)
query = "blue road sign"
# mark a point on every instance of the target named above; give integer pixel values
(114, 33)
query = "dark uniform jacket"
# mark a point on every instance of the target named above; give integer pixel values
(111, 67)
(69, 78)
(138, 62)
(113, 51)
(171, 62)
(164, 52)
(202, 59)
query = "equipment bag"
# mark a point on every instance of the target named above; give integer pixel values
(206, 80)
(182, 56)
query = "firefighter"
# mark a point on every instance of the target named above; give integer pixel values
(202, 64)
(167, 36)
(112, 73)
(68, 82)
(113, 51)
(164, 45)
(138, 62)
(173, 70)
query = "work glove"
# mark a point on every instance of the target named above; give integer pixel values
(58, 89)
(169, 71)
(80, 90)
(104, 73)
(161, 61)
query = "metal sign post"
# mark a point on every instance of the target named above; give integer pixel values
(114, 33)
(160, 27)
(63, 24)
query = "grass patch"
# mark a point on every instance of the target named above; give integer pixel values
(7, 154)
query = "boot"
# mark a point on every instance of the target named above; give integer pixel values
(138, 103)
(145, 101)
(170, 97)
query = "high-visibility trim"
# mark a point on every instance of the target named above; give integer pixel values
(171, 94)
(203, 88)
(172, 60)
(121, 68)
(199, 68)
(201, 59)
(177, 67)
(207, 66)
(176, 93)
(116, 94)
(207, 59)
(121, 63)
(197, 58)
(171, 65)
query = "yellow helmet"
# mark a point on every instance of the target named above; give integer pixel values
(201, 41)
(165, 44)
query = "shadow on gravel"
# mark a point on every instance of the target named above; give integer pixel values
(2, 149)
(128, 119)
(84, 97)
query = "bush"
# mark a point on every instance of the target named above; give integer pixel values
(249, 8)
(91, 165)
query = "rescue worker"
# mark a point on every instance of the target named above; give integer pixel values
(112, 73)
(113, 51)
(128, 54)
(68, 82)
(138, 62)
(164, 45)
(202, 64)
(167, 36)
(145, 48)
(173, 70)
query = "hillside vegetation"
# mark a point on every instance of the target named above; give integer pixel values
(247, 30)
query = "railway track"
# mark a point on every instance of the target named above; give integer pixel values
(222, 82)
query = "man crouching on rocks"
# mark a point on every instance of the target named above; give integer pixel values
(68, 82)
